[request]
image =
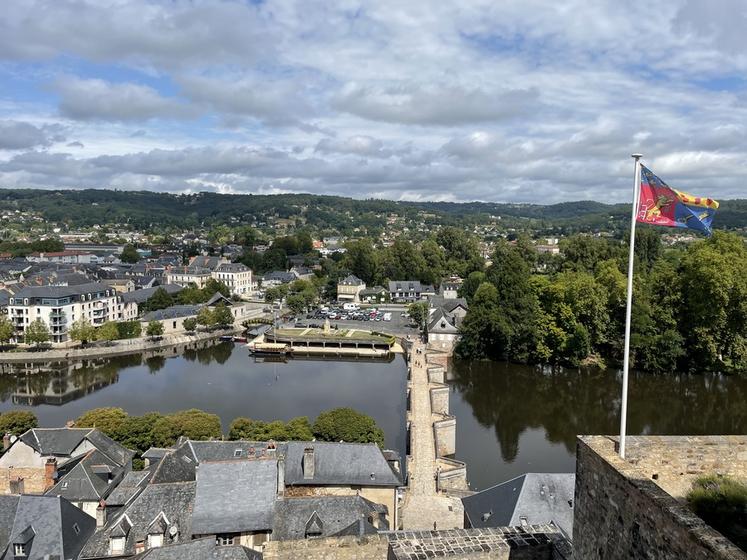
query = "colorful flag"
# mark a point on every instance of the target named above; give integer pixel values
(661, 205)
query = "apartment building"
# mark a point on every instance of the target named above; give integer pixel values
(60, 306)
(236, 276)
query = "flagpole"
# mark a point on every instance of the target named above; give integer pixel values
(629, 305)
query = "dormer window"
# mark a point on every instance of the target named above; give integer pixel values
(154, 541)
(116, 545)
(19, 550)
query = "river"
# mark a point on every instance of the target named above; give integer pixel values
(510, 419)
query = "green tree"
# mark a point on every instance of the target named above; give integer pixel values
(129, 254)
(82, 330)
(471, 283)
(206, 317)
(296, 303)
(37, 332)
(212, 286)
(222, 315)
(434, 267)
(16, 422)
(418, 312)
(362, 260)
(160, 299)
(110, 420)
(483, 329)
(154, 329)
(346, 424)
(108, 331)
(190, 324)
(402, 261)
(129, 329)
(193, 424)
(6, 329)
(299, 429)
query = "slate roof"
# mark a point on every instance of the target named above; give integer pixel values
(175, 501)
(58, 528)
(280, 276)
(359, 464)
(173, 312)
(332, 515)
(232, 267)
(61, 291)
(81, 483)
(156, 452)
(441, 322)
(8, 506)
(141, 296)
(235, 496)
(61, 442)
(352, 280)
(199, 549)
(540, 498)
(132, 483)
(405, 286)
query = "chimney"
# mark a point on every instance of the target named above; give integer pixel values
(70, 424)
(101, 514)
(50, 473)
(139, 546)
(281, 475)
(6, 441)
(308, 463)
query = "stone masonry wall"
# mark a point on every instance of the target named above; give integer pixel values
(436, 374)
(33, 479)
(445, 434)
(373, 547)
(440, 400)
(620, 511)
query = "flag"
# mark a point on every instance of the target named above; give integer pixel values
(661, 205)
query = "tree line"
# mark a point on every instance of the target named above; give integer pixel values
(689, 305)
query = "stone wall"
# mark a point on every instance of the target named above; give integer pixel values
(436, 374)
(373, 547)
(436, 358)
(445, 434)
(440, 399)
(33, 479)
(621, 512)
(452, 475)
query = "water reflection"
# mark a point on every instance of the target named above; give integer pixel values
(217, 377)
(537, 413)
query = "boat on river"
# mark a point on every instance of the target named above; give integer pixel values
(269, 348)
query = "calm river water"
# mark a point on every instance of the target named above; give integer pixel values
(510, 419)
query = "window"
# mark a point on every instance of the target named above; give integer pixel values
(64, 484)
(19, 549)
(237, 453)
(154, 541)
(224, 540)
(76, 528)
(117, 545)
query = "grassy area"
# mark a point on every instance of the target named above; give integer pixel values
(348, 334)
(721, 501)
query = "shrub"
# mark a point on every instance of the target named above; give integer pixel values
(721, 501)
(17, 422)
(193, 424)
(129, 329)
(346, 424)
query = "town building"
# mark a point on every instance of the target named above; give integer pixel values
(350, 288)
(65, 257)
(60, 306)
(375, 294)
(236, 276)
(408, 291)
(32, 463)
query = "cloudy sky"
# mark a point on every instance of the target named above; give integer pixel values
(526, 100)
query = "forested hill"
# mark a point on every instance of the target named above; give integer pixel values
(143, 209)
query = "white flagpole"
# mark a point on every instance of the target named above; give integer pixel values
(628, 308)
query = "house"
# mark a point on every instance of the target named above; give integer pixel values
(450, 288)
(302, 272)
(277, 277)
(160, 515)
(139, 297)
(377, 294)
(443, 334)
(456, 307)
(68, 257)
(121, 285)
(405, 291)
(350, 288)
(529, 499)
(42, 528)
(172, 318)
(31, 462)
(186, 275)
(236, 276)
(88, 479)
(307, 469)
(60, 306)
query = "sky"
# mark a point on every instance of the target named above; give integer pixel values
(506, 101)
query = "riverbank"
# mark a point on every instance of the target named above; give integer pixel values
(118, 348)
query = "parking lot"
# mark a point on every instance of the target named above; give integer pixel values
(362, 319)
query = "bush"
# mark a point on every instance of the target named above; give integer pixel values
(346, 424)
(154, 328)
(721, 501)
(193, 424)
(110, 420)
(17, 422)
(297, 429)
(189, 324)
(129, 329)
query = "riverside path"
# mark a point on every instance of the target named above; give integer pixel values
(424, 507)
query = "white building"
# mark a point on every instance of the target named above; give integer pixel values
(236, 276)
(60, 306)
